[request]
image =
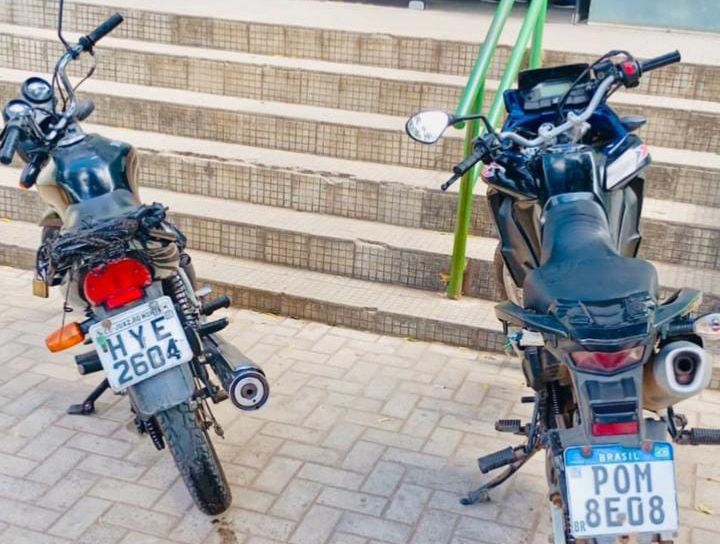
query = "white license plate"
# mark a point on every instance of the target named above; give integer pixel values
(140, 343)
(617, 490)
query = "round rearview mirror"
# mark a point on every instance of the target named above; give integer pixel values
(426, 127)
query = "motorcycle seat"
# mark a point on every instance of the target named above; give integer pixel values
(580, 262)
(113, 204)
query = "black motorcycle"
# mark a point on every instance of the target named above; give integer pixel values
(597, 345)
(124, 264)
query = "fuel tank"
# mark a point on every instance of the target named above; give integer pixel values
(86, 168)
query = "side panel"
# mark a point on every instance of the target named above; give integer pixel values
(519, 240)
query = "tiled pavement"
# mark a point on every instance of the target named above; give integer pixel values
(367, 439)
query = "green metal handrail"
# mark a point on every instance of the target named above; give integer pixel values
(471, 102)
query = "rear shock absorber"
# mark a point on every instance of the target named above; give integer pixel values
(182, 299)
(555, 404)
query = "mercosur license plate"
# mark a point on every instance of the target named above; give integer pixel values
(618, 490)
(140, 343)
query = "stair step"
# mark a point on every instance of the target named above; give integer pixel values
(326, 131)
(336, 245)
(373, 35)
(388, 91)
(386, 193)
(347, 302)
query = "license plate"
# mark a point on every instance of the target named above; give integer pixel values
(618, 490)
(140, 343)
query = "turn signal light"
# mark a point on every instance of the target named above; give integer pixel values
(613, 429)
(116, 284)
(607, 361)
(66, 337)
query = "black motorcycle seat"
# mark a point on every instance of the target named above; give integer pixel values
(580, 262)
(113, 204)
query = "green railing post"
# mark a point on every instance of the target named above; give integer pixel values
(536, 10)
(464, 209)
(471, 102)
(536, 50)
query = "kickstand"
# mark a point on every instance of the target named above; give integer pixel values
(88, 405)
(481, 494)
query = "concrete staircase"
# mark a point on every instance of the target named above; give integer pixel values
(280, 150)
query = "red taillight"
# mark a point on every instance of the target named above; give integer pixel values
(117, 283)
(607, 361)
(612, 429)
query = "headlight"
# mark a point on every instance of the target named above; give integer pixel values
(16, 108)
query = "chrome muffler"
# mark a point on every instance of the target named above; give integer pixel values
(249, 389)
(680, 370)
(244, 381)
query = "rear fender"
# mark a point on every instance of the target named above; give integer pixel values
(163, 391)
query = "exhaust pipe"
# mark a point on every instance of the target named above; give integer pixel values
(244, 382)
(249, 389)
(680, 370)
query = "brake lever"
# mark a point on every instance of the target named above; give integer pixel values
(445, 186)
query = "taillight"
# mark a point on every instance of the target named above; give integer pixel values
(117, 283)
(616, 428)
(607, 361)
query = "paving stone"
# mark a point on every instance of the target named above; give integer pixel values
(351, 500)
(296, 499)
(408, 504)
(384, 478)
(435, 527)
(277, 474)
(316, 526)
(363, 456)
(140, 519)
(79, 518)
(373, 527)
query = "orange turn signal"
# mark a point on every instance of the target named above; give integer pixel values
(68, 336)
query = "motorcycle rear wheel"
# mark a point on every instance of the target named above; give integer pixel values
(196, 459)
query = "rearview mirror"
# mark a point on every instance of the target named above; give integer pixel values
(84, 109)
(426, 127)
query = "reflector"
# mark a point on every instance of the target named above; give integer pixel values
(612, 429)
(117, 283)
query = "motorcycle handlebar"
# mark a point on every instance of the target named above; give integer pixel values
(10, 144)
(659, 62)
(103, 29)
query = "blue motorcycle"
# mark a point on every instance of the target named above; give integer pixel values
(598, 346)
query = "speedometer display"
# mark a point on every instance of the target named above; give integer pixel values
(551, 89)
(37, 90)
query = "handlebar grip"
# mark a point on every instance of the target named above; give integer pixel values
(659, 62)
(103, 29)
(9, 145)
(467, 163)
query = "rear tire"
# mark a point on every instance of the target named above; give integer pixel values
(196, 459)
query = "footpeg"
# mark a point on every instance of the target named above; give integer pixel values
(700, 437)
(87, 363)
(213, 306)
(249, 389)
(508, 426)
(497, 460)
(213, 326)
